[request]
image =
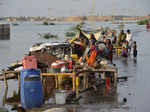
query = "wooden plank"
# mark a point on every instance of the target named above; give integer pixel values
(117, 47)
(115, 79)
(8, 72)
(57, 74)
(18, 83)
(5, 80)
(98, 70)
(73, 83)
(84, 80)
(77, 86)
(8, 76)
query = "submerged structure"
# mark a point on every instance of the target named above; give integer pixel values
(4, 31)
(73, 67)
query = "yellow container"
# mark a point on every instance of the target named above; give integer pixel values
(119, 51)
(74, 57)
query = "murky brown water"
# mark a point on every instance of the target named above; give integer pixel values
(136, 89)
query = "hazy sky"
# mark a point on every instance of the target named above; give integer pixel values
(72, 7)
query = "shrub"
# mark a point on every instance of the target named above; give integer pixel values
(45, 23)
(142, 22)
(70, 34)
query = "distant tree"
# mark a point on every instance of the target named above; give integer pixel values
(84, 18)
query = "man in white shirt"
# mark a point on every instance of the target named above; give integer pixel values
(129, 39)
(129, 36)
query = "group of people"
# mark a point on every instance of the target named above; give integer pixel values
(125, 40)
(95, 50)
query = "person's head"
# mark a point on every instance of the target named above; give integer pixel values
(108, 41)
(103, 33)
(92, 36)
(134, 42)
(128, 31)
(122, 31)
(104, 37)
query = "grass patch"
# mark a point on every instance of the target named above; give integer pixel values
(46, 23)
(48, 36)
(3, 110)
(15, 24)
(70, 34)
(77, 27)
(143, 22)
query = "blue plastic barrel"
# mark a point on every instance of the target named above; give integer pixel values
(31, 88)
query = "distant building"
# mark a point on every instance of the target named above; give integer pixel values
(4, 31)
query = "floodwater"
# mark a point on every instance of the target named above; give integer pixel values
(136, 89)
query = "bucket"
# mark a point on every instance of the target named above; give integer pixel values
(55, 67)
(60, 62)
(60, 96)
(119, 51)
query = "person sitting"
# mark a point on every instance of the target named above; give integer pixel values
(124, 52)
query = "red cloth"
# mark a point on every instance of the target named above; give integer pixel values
(70, 64)
(107, 83)
(92, 57)
(148, 26)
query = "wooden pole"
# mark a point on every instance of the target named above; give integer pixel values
(73, 82)
(5, 81)
(84, 80)
(56, 82)
(87, 81)
(18, 83)
(77, 86)
(59, 82)
(103, 75)
(5, 96)
(115, 79)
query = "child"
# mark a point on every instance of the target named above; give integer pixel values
(134, 49)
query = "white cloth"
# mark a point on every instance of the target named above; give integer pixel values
(129, 37)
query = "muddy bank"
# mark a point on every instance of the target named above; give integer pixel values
(78, 18)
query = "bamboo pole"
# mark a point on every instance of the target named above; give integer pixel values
(103, 75)
(115, 79)
(59, 82)
(18, 83)
(84, 80)
(5, 80)
(77, 86)
(57, 74)
(5, 96)
(87, 81)
(73, 83)
(56, 82)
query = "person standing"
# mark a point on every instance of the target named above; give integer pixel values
(128, 36)
(121, 37)
(134, 50)
(129, 40)
(110, 49)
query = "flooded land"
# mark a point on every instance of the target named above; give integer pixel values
(131, 95)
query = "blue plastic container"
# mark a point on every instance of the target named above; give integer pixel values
(31, 88)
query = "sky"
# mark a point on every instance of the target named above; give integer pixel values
(61, 8)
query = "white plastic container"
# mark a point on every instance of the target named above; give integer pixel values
(60, 96)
